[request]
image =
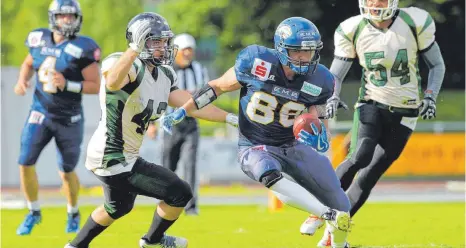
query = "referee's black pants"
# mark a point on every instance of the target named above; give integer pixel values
(379, 135)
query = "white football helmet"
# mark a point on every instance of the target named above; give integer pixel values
(376, 13)
(185, 41)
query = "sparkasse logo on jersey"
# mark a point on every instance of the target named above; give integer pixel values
(261, 69)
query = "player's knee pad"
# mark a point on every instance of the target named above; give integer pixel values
(178, 194)
(270, 178)
(364, 152)
(118, 210)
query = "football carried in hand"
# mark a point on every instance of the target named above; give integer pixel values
(304, 122)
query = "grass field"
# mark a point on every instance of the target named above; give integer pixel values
(377, 225)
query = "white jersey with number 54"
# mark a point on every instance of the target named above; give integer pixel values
(389, 58)
(114, 146)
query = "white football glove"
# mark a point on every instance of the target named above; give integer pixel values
(427, 108)
(139, 29)
(333, 104)
(232, 119)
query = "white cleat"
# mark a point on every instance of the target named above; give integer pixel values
(311, 224)
(165, 242)
(340, 220)
(69, 246)
(326, 240)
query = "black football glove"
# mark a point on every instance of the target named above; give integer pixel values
(427, 108)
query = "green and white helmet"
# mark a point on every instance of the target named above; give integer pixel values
(376, 13)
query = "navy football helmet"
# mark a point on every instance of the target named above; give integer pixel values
(58, 7)
(159, 30)
(298, 34)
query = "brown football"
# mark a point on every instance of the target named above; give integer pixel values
(304, 122)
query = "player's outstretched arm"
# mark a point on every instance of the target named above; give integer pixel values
(213, 89)
(210, 112)
(25, 75)
(117, 77)
(91, 75)
(201, 99)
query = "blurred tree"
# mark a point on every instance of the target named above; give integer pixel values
(103, 20)
(239, 23)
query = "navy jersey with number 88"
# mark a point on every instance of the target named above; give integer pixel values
(269, 102)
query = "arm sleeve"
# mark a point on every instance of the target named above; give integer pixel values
(434, 60)
(321, 111)
(339, 69)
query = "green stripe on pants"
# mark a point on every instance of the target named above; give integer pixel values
(354, 133)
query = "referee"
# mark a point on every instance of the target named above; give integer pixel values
(183, 143)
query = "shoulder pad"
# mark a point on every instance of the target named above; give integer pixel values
(170, 73)
(35, 37)
(90, 48)
(254, 62)
(348, 27)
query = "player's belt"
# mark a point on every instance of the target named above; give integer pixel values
(408, 112)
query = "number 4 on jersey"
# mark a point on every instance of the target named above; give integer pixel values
(142, 119)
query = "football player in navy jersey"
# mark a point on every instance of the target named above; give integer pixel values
(66, 66)
(276, 86)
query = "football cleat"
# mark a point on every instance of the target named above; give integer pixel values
(165, 242)
(32, 219)
(326, 240)
(72, 224)
(338, 219)
(311, 224)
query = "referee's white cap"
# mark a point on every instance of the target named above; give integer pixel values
(185, 41)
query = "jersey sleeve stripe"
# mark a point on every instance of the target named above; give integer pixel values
(408, 20)
(343, 58)
(342, 33)
(358, 30)
(429, 21)
(132, 86)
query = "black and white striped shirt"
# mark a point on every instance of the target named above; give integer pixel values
(191, 78)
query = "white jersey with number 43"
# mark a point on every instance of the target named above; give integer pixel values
(389, 58)
(126, 113)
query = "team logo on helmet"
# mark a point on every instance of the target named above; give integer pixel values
(284, 31)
